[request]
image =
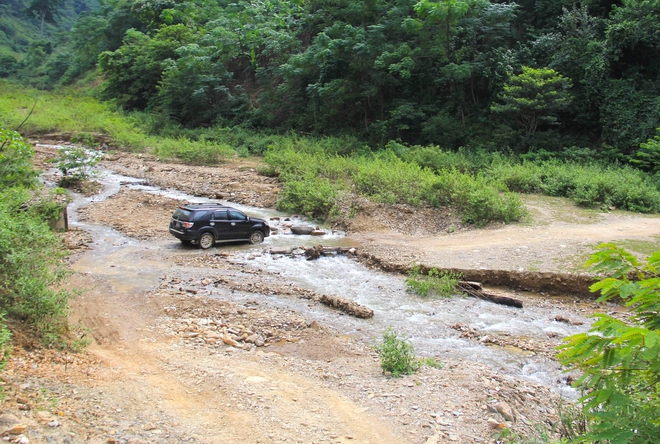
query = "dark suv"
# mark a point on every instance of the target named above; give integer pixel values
(206, 224)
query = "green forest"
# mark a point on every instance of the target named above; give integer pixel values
(553, 78)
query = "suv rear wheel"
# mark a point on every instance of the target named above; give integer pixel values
(256, 237)
(206, 240)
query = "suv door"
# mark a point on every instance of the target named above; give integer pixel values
(222, 225)
(240, 224)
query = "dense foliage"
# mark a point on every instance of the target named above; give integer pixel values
(523, 76)
(30, 253)
(620, 360)
(34, 43)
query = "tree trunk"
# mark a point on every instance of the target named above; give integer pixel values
(475, 289)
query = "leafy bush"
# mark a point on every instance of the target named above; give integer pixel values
(30, 253)
(15, 161)
(440, 282)
(620, 360)
(397, 354)
(76, 163)
(311, 196)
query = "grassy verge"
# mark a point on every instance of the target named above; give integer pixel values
(593, 185)
(70, 112)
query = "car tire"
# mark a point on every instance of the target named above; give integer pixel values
(206, 240)
(256, 237)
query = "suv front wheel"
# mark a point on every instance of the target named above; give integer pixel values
(206, 240)
(256, 237)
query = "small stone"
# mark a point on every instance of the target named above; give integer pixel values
(505, 410)
(229, 341)
(495, 424)
(15, 430)
(44, 417)
(251, 339)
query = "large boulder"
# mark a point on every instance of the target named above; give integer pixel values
(302, 229)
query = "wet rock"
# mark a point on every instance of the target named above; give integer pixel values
(318, 233)
(347, 306)
(314, 252)
(560, 318)
(301, 229)
(284, 251)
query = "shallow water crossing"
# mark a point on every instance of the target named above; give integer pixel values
(427, 322)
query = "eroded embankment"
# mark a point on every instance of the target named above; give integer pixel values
(552, 283)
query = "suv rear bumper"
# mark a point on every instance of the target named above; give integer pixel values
(183, 235)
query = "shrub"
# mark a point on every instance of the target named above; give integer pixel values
(76, 163)
(30, 253)
(397, 354)
(201, 152)
(620, 360)
(311, 196)
(15, 161)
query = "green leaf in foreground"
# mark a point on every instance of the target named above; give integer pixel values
(620, 360)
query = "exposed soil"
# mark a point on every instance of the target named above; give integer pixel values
(175, 357)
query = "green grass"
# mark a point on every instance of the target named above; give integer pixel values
(318, 173)
(435, 282)
(68, 111)
(644, 248)
(594, 185)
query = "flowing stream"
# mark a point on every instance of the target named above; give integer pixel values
(427, 322)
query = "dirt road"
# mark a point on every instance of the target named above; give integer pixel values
(206, 346)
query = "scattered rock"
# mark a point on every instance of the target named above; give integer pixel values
(347, 306)
(229, 341)
(15, 430)
(565, 320)
(506, 411)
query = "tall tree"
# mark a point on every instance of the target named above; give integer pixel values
(534, 97)
(44, 10)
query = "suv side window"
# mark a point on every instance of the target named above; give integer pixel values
(200, 215)
(220, 215)
(235, 215)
